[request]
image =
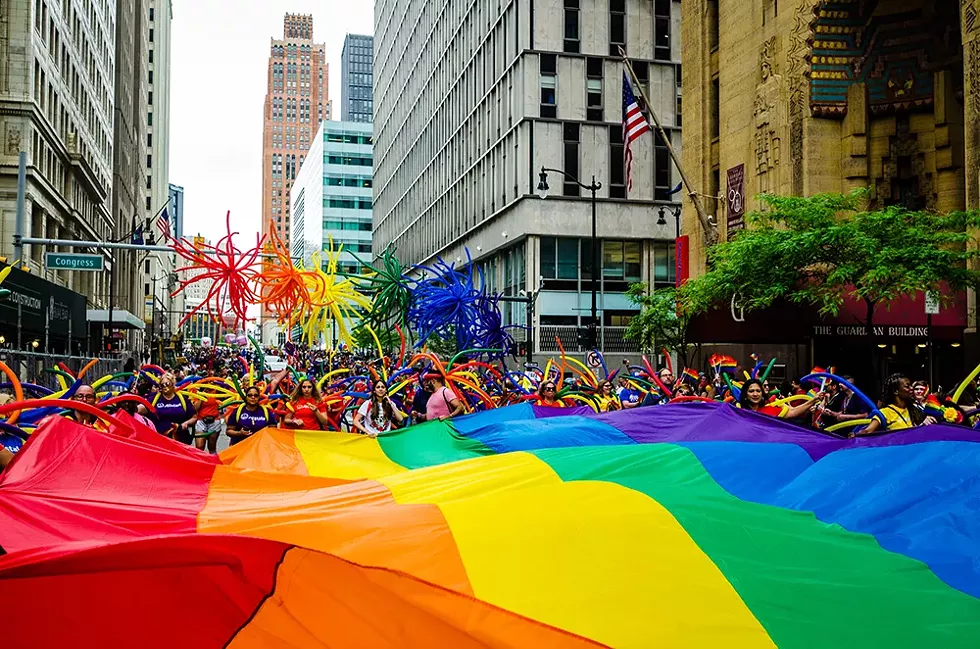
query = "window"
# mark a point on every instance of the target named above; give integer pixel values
(661, 30)
(661, 162)
(549, 80)
(617, 171)
(571, 137)
(151, 34)
(617, 26)
(677, 112)
(712, 25)
(572, 44)
(593, 82)
(149, 161)
(146, 267)
(642, 71)
(149, 139)
(664, 264)
(715, 110)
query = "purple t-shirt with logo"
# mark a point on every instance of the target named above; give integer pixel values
(251, 421)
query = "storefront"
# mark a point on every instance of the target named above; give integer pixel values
(903, 339)
(40, 315)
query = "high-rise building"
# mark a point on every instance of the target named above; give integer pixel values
(357, 79)
(56, 88)
(466, 118)
(332, 196)
(296, 101)
(133, 159)
(331, 201)
(158, 189)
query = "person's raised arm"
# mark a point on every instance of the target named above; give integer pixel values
(803, 408)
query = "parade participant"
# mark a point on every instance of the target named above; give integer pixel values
(176, 415)
(844, 406)
(249, 418)
(443, 402)
(900, 410)
(608, 401)
(306, 408)
(421, 397)
(666, 376)
(629, 397)
(209, 426)
(921, 390)
(377, 414)
(546, 395)
(5, 458)
(86, 394)
(754, 398)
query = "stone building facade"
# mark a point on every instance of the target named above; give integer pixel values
(57, 65)
(800, 97)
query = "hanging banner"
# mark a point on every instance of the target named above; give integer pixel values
(682, 258)
(735, 199)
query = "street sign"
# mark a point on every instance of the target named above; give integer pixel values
(593, 359)
(73, 261)
(932, 303)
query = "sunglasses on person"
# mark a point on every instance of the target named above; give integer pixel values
(549, 388)
(252, 394)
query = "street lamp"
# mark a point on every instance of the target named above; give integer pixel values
(662, 220)
(594, 187)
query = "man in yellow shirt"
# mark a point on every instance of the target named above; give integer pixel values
(899, 410)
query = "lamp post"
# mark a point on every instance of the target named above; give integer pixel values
(594, 187)
(662, 220)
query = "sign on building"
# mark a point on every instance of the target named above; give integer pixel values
(735, 199)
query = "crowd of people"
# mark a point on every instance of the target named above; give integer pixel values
(210, 392)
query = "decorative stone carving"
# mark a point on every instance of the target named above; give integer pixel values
(799, 72)
(769, 120)
(12, 140)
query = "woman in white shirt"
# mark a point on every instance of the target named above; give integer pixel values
(377, 414)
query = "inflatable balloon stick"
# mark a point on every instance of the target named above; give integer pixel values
(334, 298)
(285, 289)
(229, 270)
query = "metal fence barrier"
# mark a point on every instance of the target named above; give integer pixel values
(30, 366)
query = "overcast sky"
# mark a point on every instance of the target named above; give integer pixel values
(217, 89)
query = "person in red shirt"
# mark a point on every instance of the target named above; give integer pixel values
(753, 397)
(305, 409)
(209, 426)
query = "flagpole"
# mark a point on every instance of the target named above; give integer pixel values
(710, 230)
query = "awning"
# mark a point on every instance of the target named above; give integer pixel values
(121, 319)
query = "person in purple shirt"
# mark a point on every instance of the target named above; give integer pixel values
(175, 413)
(249, 418)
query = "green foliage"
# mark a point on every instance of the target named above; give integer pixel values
(444, 347)
(389, 339)
(658, 324)
(825, 249)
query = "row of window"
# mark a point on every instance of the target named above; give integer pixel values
(548, 70)
(357, 226)
(346, 181)
(347, 203)
(571, 135)
(349, 139)
(565, 258)
(617, 28)
(348, 160)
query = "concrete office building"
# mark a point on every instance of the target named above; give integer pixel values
(158, 267)
(471, 100)
(296, 101)
(357, 82)
(331, 199)
(132, 160)
(57, 70)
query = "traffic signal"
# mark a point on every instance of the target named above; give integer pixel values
(587, 337)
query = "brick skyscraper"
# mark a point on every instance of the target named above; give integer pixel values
(295, 103)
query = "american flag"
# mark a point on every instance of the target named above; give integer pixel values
(164, 223)
(634, 125)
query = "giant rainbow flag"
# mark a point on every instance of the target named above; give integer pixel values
(690, 525)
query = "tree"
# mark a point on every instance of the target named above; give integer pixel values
(389, 339)
(659, 323)
(825, 249)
